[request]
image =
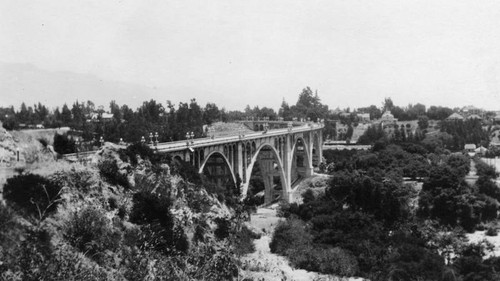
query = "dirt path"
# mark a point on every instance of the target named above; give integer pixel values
(264, 265)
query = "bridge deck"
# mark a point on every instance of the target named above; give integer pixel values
(202, 142)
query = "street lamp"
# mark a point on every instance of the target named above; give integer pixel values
(77, 144)
(150, 138)
(156, 138)
(189, 137)
(101, 140)
(143, 140)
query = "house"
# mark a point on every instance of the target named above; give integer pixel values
(107, 116)
(388, 117)
(470, 110)
(345, 114)
(496, 119)
(455, 116)
(97, 117)
(363, 117)
(481, 150)
(474, 116)
(470, 148)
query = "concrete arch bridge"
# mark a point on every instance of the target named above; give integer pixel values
(285, 154)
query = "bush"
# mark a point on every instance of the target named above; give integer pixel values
(244, 241)
(135, 149)
(90, 231)
(492, 231)
(80, 178)
(152, 212)
(289, 234)
(337, 261)
(63, 144)
(223, 228)
(109, 171)
(34, 194)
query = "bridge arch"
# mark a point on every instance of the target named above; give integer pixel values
(212, 158)
(268, 183)
(300, 164)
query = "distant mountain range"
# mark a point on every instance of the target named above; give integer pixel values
(30, 84)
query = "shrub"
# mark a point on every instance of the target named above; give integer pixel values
(81, 178)
(492, 231)
(90, 231)
(285, 209)
(63, 144)
(289, 234)
(308, 196)
(152, 212)
(337, 261)
(10, 231)
(244, 241)
(135, 149)
(34, 194)
(109, 171)
(223, 228)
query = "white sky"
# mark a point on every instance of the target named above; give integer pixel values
(235, 53)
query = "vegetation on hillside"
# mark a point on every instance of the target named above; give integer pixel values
(134, 218)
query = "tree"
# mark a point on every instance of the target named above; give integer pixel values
(423, 122)
(285, 111)
(23, 115)
(63, 144)
(388, 105)
(211, 113)
(66, 115)
(78, 115)
(439, 113)
(115, 110)
(374, 111)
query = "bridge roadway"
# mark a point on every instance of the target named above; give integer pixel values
(166, 147)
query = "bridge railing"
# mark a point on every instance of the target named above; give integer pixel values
(178, 145)
(173, 146)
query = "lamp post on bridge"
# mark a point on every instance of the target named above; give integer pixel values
(101, 141)
(77, 144)
(143, 140)
(189, 138)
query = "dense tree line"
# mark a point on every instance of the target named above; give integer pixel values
(374, 224)
(171, 122)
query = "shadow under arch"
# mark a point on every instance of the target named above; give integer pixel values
(219, 168)
(299, 161)
(268, 148)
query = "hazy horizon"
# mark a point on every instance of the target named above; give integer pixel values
(257, 53)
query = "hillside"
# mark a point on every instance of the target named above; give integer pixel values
(126, 216)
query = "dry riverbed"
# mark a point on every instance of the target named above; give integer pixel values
(264, 265)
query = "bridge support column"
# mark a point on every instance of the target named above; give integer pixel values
(287, 166)
(268, 173)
